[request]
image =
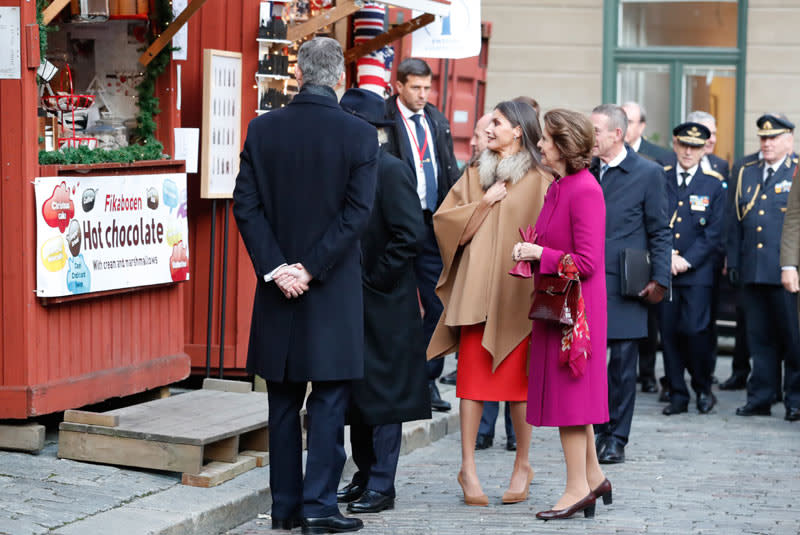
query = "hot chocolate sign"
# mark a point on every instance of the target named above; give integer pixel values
(105, 233)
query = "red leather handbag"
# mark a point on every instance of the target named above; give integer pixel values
(555, 299)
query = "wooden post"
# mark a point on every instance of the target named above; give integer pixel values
(379, 41)
(166, 36)
(52, 10)
(344, 8)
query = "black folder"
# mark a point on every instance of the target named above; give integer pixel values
(634, 271)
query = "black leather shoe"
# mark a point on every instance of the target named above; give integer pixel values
(671, 409)
(331, 524)
(349, 493)
(511, 445)
(449, 379)
(614, 453)
(437, 403)
(483, 442)
(600, 443)
(752, 410)
(287, 524)
(706, 402)
(649, 385)
(734, 382)
(371, 502)
(792, 414)
(664, 396)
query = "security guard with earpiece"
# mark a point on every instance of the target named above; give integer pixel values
(754, 240)
(696, 206)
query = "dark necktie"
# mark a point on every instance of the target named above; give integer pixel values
(603, 169)
(770, 172)
(431, 191)
(684, 177)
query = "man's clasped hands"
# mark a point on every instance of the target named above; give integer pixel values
(292, 280)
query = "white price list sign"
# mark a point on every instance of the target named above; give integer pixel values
(10, 51)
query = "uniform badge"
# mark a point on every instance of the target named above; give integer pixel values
(783, 187)
(698, 202)
(702, 221)
(749, 188)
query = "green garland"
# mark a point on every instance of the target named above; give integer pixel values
(147, 147)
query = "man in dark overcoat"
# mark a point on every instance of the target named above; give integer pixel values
(771, 322)
(395, 384)
(421, 138)
(634, 137)
(697, 210)
(636, 188)
(302, 200)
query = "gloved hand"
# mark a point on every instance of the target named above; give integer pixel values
(733, 277)
(653, 293)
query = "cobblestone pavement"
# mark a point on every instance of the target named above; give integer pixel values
(691, 473)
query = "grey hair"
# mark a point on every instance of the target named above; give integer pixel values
(321, 61)
(698, 116)
(616, 116)
(642, 111)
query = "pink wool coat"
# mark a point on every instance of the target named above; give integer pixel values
(573, 221)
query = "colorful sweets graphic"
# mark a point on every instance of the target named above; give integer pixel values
(87, 199)
(74, 237)
(152, 198)
(179, 263)
(59, 208)
(54, 257)
(78, 276)
(170, 194)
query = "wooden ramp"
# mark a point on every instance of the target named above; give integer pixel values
(224, 423)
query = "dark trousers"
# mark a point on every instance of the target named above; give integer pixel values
(314, 496)
(428, 267)
(489, 418)
(772, 333)
(621, 390)
(686, 338)
(376, 450)
(648, 346)
(741, 352)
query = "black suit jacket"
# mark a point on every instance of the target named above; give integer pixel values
(304, 193)
(653, 152)
(720, 166)
(395, 384)
(447, 165)
(635, 192)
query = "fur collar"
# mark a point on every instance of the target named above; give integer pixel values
(491, 168)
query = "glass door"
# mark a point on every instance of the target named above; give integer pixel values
(649, 85)
(712, 88)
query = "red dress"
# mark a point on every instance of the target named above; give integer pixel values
(475, 379)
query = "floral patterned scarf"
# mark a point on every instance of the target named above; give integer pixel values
(575, 345)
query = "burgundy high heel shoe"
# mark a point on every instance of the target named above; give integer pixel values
(603, 490)
(587, 505)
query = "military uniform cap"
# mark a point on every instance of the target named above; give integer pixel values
(772, 125)
(692, 134)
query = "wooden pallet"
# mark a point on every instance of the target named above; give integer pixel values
(224, 423)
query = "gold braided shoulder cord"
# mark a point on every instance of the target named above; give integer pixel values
(738, 195)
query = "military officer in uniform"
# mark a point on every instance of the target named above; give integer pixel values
(760, 199)
(696, 209)
(741, 353)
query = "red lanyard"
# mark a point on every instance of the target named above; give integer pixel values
(420, 151)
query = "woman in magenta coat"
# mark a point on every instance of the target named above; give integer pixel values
(567, 385)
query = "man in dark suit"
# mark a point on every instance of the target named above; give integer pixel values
(636, 188)
(395, 384)
(302, 199)
(634, 137)
(422, 139)
(760, 199)
(697, 208)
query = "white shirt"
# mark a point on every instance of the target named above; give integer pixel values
(679, 170)
(774, 167)
(636, 144)
(411, 133)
